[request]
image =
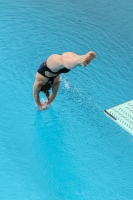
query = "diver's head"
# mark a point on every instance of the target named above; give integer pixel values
(45, 89)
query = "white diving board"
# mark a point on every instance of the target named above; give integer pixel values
(122, 115)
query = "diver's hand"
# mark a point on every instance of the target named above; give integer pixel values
(43, 106)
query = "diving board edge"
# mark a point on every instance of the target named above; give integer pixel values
(107, 113)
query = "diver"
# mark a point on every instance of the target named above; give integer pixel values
(48, 74)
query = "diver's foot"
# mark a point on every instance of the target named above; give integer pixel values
(86, 59)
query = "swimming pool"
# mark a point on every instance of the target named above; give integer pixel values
(71, 151)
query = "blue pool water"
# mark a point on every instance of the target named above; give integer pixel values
(71, 151)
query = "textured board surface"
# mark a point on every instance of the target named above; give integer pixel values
(122, 115)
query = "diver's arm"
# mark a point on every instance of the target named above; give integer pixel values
(55, 88)
(36, 90)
